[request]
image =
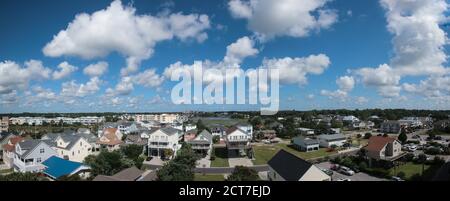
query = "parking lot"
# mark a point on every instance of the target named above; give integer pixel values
(356, 177)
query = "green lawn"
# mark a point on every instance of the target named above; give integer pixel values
(409, 169)
(264, 153)
(322, 152)
(209, 177)
(221, 157)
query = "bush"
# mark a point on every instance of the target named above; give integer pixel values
(401, 175)
(433, 151)
(438, 161)
(409, 157)
(362, 166)
(378, 172)
(358, 136)
(367, 135)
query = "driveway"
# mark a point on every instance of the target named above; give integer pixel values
(204, 163)
(244, 161)
(361, 176)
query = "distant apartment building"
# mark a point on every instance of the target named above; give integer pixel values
(162, 118)
(4, 124)
(390, 127)
(37, 121)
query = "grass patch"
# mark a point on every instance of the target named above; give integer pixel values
(410, 169)
(209, 177)
(221, 159)
(264, 153)
(322, 152)
(5, 171)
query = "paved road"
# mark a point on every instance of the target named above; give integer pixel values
(356, 177)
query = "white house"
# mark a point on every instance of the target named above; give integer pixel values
(237, 140)
(202, 142)
(285, 166)
(306, 131)
(8, 149)
(162, 139)
(350, 118)
(29, 155)
(330, 140)
(71, 147)
(247, 128)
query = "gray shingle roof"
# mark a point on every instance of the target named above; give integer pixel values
(332, 137)
(289, 166)
(170, 130)
(28, 146)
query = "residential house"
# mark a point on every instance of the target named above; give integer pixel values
(386, 148)
(55, 167)
(29, 155)
(127, 127)
(69, 146)
(285, 166)
(4, 124)
(202, 142)
(350, 119)
(247, 128)
(306, 131)
(305, 144)
(129, 174)
(111, 139)
(218, 130)
(390, 127)
(163, 139)
(149, 124)
(331, 140)
(237, 140)
(8, 147)
(190, 135)
(267, 134)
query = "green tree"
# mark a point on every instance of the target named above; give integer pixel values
(18, 176)
(201, 126)
(74, 177)
(242, 173)
(216, 139)
(402, 137)
(132, 151)
(181, 168)
(422, 158)
(106, 163)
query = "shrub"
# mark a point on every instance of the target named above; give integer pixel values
(367, 135)
(358, 136)
(378, 172)
(362, 166)
(401, 175)
(409, 157)
(433, 151)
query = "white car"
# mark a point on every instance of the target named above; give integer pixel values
(346, 171)
(344, 179)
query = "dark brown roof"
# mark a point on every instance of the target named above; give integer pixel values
(377, 143)
(13, 140)
(129, 174)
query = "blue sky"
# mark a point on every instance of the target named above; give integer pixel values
(356, 37)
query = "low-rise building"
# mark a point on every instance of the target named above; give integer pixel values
(69, 146)
(285, 166)
(111, 139)
(4, 124)
(29, 155)
(163, 139)
(202, 142)
(237, 140)
(390, 127)
(305, 144)
(385, 148)
(306, 131)
(8, 147)
(328, 141)
(247, 128)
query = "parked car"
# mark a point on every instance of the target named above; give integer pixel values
(344, 179)
(397, 179)
(335, 167)
(356, 169)
(327, 171)
(347, 171)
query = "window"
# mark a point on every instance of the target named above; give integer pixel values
(38, 160)
(73, 153)
(41, 151)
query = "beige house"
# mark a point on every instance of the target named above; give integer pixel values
(111, 139)
(285, 166)
(385, 148)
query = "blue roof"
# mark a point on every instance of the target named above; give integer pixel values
(57, 167)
